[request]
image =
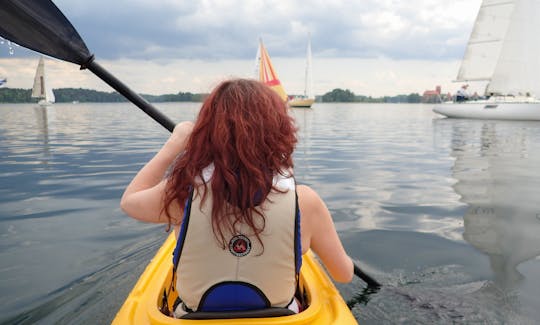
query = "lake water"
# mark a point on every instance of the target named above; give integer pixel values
(445, 213)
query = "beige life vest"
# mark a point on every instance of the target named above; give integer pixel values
(243, 275)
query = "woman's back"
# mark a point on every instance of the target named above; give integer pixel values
(259, 274)
(245, 133)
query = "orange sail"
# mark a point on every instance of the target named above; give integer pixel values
(266, 72)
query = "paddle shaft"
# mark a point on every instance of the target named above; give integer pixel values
(362, 275)
(132, 96)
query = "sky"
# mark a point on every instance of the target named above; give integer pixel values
(371, 47)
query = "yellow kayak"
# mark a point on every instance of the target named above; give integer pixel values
(326, 306)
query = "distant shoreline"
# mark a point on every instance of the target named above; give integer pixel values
(80, 95)
(69, 95)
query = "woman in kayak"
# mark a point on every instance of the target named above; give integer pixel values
(225, 184)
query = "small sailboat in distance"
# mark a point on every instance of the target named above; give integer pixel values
(41, 88)
(307, 99)
(265, 72)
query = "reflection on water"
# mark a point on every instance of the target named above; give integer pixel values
(431, 280)
(496, 171)
(44, 126)
(495, 168)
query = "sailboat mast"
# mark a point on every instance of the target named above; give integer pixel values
(308, 86)
(257, 71)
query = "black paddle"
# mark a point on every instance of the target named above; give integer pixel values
(42, 27)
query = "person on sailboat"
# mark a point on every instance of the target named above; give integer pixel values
(462, 94)
(225, 183)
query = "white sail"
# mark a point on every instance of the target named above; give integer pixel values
(518, 67)
(38, 91)
(308, 90)
(49, 95)
(486, 40)
(307, 98)
(41, 89)
(257, 71)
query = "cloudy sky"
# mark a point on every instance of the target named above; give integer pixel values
(372, 47)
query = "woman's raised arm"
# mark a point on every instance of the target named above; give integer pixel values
(143, 198)
(317, 225)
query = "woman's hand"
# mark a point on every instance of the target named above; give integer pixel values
(178, 139)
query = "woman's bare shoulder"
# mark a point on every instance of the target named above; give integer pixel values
(307, 197)
(306, 192)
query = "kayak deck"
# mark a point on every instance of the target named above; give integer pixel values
(326, 306)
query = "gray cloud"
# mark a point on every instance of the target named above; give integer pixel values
(379, 47)
(229, 29)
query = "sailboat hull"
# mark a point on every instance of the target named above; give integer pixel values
(301, 102)
(492, 110)
(44, 103)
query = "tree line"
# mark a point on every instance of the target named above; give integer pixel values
(347, 96)
(68, 95)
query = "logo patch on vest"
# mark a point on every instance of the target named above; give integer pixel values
(239, 245)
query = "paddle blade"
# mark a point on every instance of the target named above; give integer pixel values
(41, 26)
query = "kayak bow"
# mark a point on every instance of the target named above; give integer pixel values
(326, 306)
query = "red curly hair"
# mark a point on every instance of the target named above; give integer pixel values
(244, 130)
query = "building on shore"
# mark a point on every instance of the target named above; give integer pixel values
(432, 96)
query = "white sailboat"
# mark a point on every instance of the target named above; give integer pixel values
(41, 88)
(502, 51)
(307, 99)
